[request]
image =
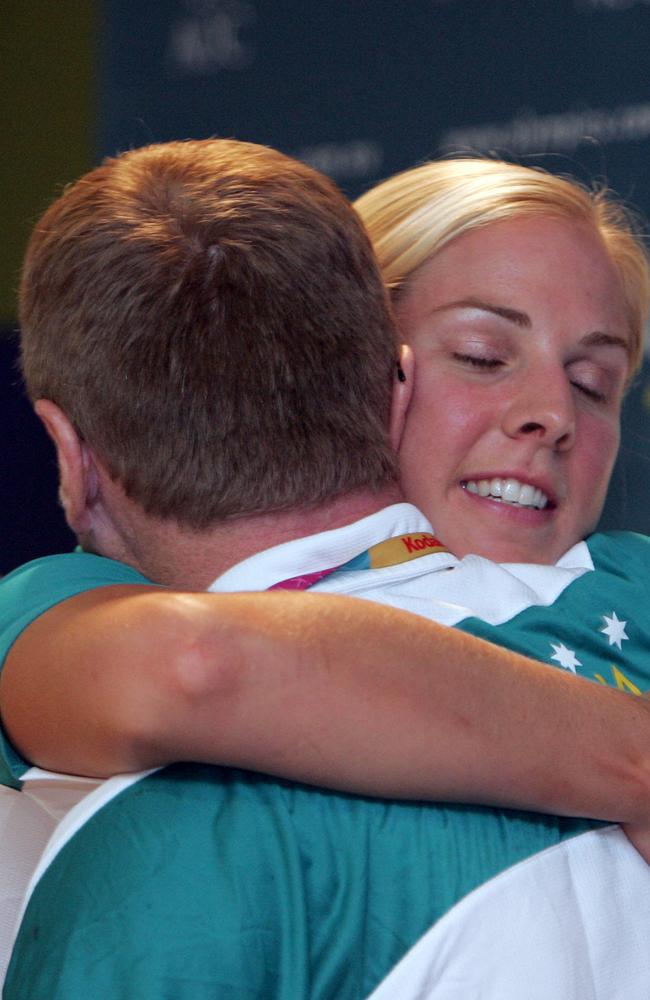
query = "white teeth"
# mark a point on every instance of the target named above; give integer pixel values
(511, 491)
(527, 495)
(508, 491)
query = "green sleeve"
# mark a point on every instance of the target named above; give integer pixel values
(32, 589)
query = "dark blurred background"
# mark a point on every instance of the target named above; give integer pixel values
(358, 88)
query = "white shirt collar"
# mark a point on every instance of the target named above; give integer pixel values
(333, 548)
(318, 552)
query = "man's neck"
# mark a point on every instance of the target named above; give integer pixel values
(188, 560)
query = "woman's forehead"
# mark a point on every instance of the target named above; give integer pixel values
(503, 261)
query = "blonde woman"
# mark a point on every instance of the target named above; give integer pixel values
(522, 294)
(522, 298)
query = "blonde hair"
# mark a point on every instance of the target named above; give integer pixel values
(414, 214)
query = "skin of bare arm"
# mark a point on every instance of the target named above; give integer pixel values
(309, 687)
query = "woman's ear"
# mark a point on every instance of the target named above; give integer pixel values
(402, 392)
(77, 472)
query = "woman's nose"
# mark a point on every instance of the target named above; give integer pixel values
(543, 408)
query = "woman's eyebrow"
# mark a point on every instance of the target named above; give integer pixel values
(521, 319)
(600, 339)
(597, 338)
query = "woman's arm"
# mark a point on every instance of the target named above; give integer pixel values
(323, 689)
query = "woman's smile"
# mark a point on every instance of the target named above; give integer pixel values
(508, 490)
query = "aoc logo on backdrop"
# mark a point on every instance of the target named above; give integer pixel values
(212, 37)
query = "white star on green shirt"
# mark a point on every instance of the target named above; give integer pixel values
(614, 629)
(565, 657)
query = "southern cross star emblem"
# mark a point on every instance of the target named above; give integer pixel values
(614, 629)
(565, 657)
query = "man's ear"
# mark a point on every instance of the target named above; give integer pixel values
(77, 471)
(402, 392)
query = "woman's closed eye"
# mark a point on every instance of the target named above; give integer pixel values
(588, 390)
(478, 361)
(591, 381)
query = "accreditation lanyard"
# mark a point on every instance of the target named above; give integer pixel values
(401, 548)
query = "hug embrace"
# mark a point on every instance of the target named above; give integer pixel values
(249, 391)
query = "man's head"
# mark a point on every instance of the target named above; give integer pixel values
(209, 317)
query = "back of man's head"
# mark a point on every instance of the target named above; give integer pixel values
(209, 316)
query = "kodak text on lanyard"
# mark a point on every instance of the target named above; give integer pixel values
(396, 550)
